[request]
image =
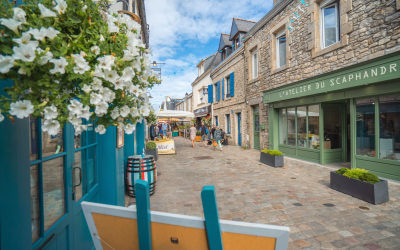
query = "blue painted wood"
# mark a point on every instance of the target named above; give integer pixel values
(223, 90)
(140, 137)
(211, 218)
(218, 91)
(232, 84)
(143, 214)
(120, 179)
(239, 118)
(15, 215)
(210, 94)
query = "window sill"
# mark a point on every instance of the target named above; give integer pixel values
(274, 71)
(326, 50)
(254, 80)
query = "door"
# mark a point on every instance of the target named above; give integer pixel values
(63, 172)
(239, 125)
(256, 127)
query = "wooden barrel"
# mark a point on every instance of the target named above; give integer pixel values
(143, 168)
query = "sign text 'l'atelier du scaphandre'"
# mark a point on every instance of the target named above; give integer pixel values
(339, 81)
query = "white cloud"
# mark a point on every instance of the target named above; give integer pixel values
(178, 26)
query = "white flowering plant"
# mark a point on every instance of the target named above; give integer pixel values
(71, 61)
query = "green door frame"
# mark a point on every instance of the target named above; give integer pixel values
(256, 134)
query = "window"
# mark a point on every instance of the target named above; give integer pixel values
(254, 65)
(330, 33)
(389, 131)
(282, 126)
(216, 120)
(365, 124)
(313, 126)
(302, 126)
(281, 49)
(227, 80)
(291, 127)
(216, 92)
(228, 124)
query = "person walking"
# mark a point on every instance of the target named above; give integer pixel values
(156, 130)
(203, 133)
(217, 138)
(193, 134)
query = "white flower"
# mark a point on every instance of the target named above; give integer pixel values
(46, 58)
(59, 65)
(25, 53)
(108, 94)
(100, 129)
(11, 23)
(52, 127)
(98, 72)
(86, 88)
(45, 12)
(124, 111)
(61, 6)
(37, 34)
(134, 112)
(84, 8)
(133, 89)
(21, 109)
(110, 75)
(1, 117)
(86, 113)
(102, 38)
(6, 63)
(97, 84)
(112, 27)
(75, 107)
(25, 39)
(75, 121)
(22, 71)
(95, 98)
(127, 74)
(129, 128)
(114, 113)
(19, 15)
(106, 62)
(119, 84)
(101, 109)
(95, 50)
(79, 129)
(50, 112)
(130, 54)
(50, 32)
(81, 66)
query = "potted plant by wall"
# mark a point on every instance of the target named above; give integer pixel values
(151, 149)
(361, 184)
(272, 158)
(198, 136)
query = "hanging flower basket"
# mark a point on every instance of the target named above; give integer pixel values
(72, 61)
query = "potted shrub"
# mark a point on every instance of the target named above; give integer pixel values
(151, 149)
(361, 184)
(198, 136)
(272, 158)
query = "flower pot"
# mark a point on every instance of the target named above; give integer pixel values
(376, 193)
(271, 160)
(197, 138)
(153, 153)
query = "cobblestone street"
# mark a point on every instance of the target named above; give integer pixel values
(297, 196)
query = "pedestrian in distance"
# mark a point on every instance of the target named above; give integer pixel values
(203, 133)
(217, 138)
(193, 131)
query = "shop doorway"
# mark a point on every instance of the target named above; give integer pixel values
(239, 121)
(256, 127)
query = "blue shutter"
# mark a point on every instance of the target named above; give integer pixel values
(210, 94)
(223, 91)
(218, 91)
(232, 84)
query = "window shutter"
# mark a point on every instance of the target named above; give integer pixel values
(223, 90)
(218, 90)
(232, 84)
(210, 93)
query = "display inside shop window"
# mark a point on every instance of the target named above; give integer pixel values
(365, 127)
(389, 127)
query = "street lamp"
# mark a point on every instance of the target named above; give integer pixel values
(156, 69)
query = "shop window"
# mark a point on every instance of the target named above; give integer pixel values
(389, 123)
(254, 64)
(330, 23)
(228, 124)
(332, 127)
(281, 50)
(302, 126)
(282, 126)
(291, 127)
(365, 126)
(313, 127)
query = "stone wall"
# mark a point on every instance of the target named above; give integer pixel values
(369, 29)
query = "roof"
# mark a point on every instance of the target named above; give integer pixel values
(240, 25)
(224, 41)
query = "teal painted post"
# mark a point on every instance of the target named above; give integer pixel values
(353, 133)
(211, 218)
(140, 137)
(143, 214)
(321, 134)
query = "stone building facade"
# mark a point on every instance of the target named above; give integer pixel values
(368, 32)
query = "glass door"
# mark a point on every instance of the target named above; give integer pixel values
(256, 127)
(335, 132)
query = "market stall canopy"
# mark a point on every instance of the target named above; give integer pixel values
(174, 114)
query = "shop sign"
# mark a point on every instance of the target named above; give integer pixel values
(202, 111)
(338, 81)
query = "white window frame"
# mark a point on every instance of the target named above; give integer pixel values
(323, 5)
(254, 64)
(278, 63)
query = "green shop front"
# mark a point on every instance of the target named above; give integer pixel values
(349, 115)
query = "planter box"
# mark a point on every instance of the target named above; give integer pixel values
(271, 160)
(197, 138)
(153, 153)
(373, 193)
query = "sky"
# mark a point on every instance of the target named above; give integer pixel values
(183, 32)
